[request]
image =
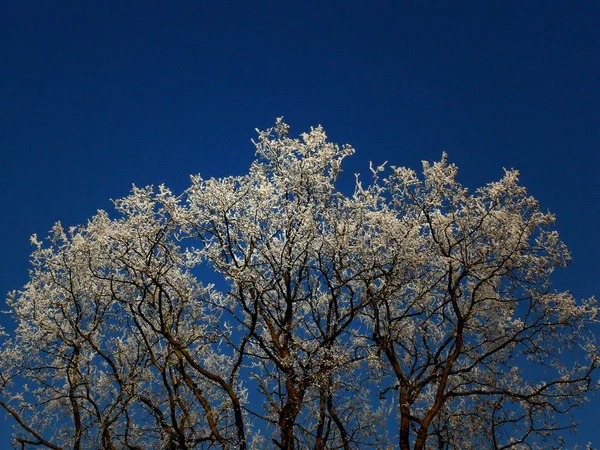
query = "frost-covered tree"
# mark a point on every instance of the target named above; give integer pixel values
(409, 313)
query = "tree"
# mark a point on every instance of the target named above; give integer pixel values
(409, 313)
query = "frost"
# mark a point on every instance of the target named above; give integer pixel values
(413, 298)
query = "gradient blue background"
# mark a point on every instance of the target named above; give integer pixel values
(95, 96)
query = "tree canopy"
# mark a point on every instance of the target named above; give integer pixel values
(275, 310)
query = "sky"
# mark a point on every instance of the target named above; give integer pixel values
(98, 95)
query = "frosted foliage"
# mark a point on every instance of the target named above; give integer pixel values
(410, 313)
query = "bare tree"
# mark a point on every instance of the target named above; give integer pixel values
(318, 306)
(471, 334)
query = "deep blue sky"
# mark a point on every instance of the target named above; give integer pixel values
(95, 96)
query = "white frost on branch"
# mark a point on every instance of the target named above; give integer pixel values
(325, 314)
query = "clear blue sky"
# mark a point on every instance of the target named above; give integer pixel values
(95, 96)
